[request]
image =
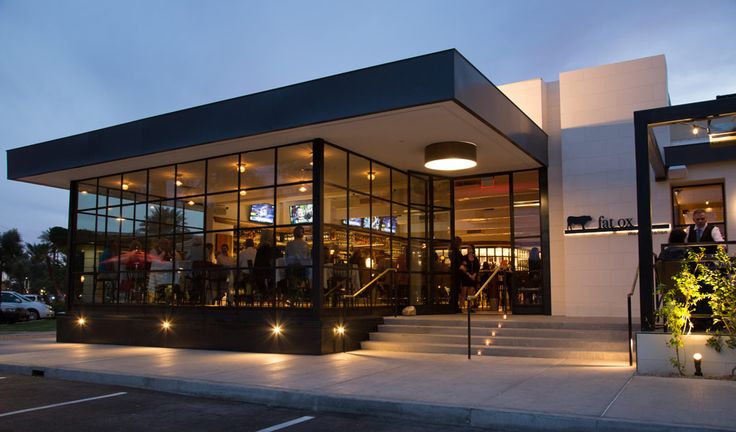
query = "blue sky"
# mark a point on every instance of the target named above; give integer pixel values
(74, 66)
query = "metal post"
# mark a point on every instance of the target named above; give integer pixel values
(467, 306)
(631, 353)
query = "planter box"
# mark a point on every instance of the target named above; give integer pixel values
(653, 355)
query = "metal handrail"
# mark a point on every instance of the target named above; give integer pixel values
(470, 298)
(366, 286)
(485, 284)
(360, 291)
(628, 306)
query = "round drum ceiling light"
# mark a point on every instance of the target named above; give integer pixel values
(450, 155)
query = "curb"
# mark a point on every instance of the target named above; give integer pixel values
(510, 420)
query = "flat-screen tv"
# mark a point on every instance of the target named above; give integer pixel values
(261, 213)
(388, 224)
(300, 213)
(378, 223)
(353, 222)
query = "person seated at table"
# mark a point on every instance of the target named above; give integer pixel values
(247, 254)
(297, 250)
(161, 250)
(227, 275)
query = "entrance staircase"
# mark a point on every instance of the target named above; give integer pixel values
(595, 339)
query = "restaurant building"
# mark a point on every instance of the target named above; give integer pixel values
(251, 223)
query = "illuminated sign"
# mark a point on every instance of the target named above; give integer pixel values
(578, 225)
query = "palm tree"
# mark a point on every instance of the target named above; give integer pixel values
(57, 240)
(11, 252)
(161, 221)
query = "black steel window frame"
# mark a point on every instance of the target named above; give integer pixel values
(74, 274)
(722, 184)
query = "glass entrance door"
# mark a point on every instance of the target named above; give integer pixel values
(499, 215)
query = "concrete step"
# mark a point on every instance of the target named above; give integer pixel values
(516, 321)
(506, 341)
(537, 352)
(604, 335)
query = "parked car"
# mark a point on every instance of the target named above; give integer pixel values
(38, 298)
(36, 310)
(12, 309)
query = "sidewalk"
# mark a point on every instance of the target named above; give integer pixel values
(498, 392)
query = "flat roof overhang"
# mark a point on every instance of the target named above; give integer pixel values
(388, 112)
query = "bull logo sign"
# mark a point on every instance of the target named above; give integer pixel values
(577, 224)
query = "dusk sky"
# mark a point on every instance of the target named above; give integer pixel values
(74, 66)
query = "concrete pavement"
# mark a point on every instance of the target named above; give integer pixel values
(498, 392)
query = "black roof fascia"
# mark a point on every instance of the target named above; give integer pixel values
(679, 113)
(699, 153)
(690, 111)
(472, 90)
(422, 80)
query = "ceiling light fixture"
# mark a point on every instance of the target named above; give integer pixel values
(179, 183)
(302, 189)
(370, 175)
(243, 193)
(240, 167)
(450, 155)
(125, 186)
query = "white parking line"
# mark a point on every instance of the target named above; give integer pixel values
(2, 377)
(287, 424)
(62, 404)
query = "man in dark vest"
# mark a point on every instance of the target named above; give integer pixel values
(702, 232)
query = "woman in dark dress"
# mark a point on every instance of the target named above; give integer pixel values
(470, 276)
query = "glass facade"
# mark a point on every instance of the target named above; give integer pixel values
(260, 229)
(227, 231)
(374, 219)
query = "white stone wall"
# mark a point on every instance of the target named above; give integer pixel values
(588, 116)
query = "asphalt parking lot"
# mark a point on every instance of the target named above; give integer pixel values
(36, 403)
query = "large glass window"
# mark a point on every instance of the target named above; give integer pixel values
(230, 231)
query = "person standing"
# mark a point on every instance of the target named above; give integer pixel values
(470, 277)
(457, 269)
(701, 232)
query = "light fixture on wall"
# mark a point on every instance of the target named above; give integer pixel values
(450, 155)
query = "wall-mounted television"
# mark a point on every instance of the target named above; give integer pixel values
(261, 213)
(300, 213)
(378, 223)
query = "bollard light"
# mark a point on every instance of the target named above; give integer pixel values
(81, 321)
(277, 330)
(166, 324)
(698, 359)
(340, 330)
(488, 342)
(504, 316)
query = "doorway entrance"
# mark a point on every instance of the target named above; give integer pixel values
(501, 216)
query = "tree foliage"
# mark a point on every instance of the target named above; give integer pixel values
(698, 271)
